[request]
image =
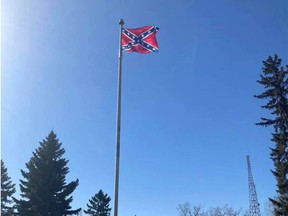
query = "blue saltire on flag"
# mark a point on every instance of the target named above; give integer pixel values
(141, 40)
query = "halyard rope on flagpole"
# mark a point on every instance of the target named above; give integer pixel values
(118, 121)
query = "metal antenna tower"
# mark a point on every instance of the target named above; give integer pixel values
(254, 209)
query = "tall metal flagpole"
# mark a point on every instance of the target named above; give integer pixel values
(118, 123)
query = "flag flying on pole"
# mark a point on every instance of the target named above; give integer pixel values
(141, 40)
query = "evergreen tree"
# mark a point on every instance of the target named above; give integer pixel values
(44, 190)
(275, 81)
(99, 205)
(7, 190)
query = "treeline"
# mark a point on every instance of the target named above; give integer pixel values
(186, 209)
(44, 190)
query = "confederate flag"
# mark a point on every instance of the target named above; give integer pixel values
(141, 40)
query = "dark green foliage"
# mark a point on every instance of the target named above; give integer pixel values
(44, 190)
(99, 205)
(7, 190)
(275, 81)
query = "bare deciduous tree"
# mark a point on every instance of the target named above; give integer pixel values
(187, 209)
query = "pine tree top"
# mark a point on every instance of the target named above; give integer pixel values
(44, 188)
(7, 190)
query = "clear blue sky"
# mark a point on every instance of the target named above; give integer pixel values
(188, 112)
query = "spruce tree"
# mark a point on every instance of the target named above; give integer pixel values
(7, 190)
(275, 81)
(99, 205)
(44, 190)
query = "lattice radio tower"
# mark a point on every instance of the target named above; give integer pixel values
(254, 209)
